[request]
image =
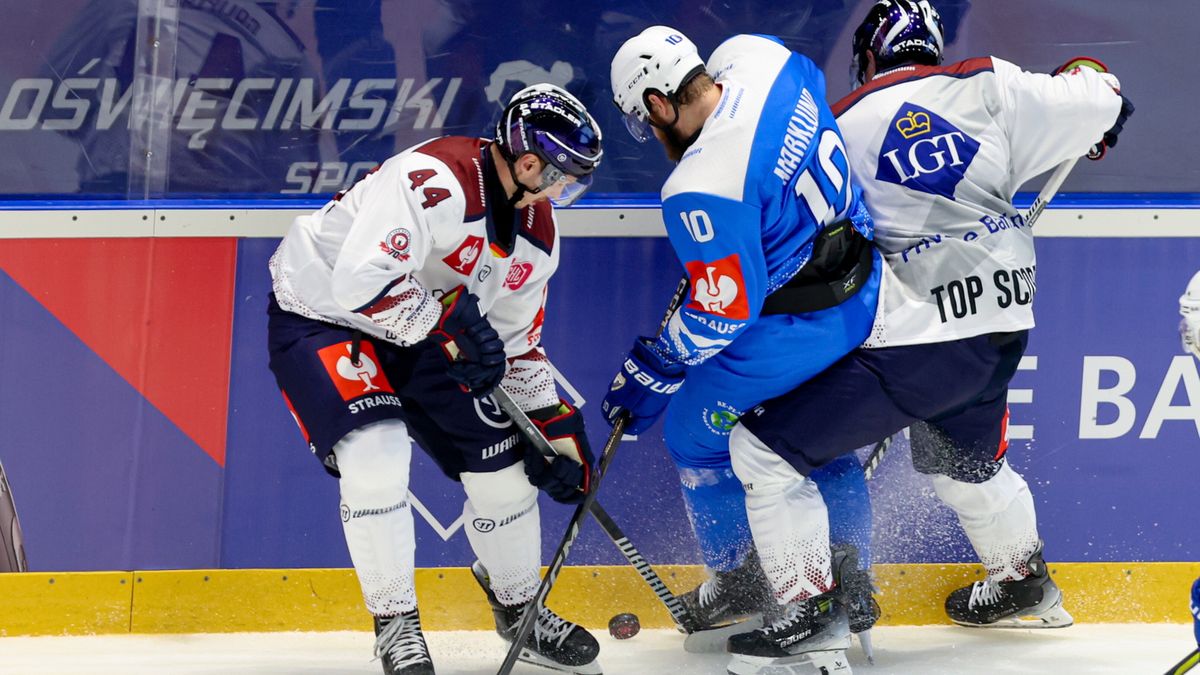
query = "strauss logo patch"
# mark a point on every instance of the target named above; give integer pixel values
(719, 288)
(463, 259)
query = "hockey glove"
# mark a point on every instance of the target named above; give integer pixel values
(475, 351)
(1110, 136)
(1109, 140)
(1189, 308)
(642, 388)
(567, 477)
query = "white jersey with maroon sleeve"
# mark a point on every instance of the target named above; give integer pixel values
(940, 152)
(380, 256)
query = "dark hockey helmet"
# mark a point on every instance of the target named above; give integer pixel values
(897, 31)
(549, 122)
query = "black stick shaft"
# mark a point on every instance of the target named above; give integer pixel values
(606, 456)
(610, 527)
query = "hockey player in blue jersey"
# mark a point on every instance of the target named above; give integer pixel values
(939, 150)
(762, 213)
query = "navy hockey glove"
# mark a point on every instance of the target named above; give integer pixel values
(567, 477)
(1110, 136)
(642, 388)
(475, 351)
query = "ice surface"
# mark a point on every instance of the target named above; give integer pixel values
(925, 650)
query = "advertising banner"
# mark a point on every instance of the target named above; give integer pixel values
(178, 98)
(143, 429)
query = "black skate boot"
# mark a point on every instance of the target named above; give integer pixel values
(555, 642)
(855, 592)
(804, 637)
(400, 645)
(1032, 602)
(726, 604)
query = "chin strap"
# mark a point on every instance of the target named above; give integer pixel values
(522, 189)
(672, 128)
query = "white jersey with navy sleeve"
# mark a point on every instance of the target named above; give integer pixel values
(940, 152)
(380, 256)
(742, 208)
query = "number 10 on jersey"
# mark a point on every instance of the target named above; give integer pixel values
(824, 186)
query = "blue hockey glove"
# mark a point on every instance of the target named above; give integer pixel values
(475, 351)
(567, 477)
(642, 388)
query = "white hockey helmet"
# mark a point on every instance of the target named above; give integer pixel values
(658, 60)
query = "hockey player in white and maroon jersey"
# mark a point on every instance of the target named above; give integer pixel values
(1189, 309)
(423, 282)
(940, 151)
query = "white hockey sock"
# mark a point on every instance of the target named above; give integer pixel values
(999, 518)
(503, 525)
(377, 520)
(788, 519)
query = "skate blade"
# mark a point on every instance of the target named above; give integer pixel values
(1037, 617)
(864, 640)
(825, 662)
(535, 659)
(713, 640)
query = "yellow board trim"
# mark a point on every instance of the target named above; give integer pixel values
(216, 601)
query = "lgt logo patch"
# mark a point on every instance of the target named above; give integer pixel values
(719, 288)
(354, 379)
(397, 243)
(924, 152)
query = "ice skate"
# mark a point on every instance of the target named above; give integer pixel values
(1032, 602)
(400, 645)
(855, 592)
(726, 604)
(555, 643)
(805, 637)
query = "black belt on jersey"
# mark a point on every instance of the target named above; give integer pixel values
(841, 261)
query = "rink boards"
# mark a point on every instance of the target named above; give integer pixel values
(143, 431)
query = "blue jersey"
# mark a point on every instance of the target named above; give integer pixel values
(767, 173)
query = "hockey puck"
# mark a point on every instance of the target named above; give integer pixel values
(624, 626)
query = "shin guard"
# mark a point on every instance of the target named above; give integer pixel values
(503, 525)
(377, 520)
(788, 518)
(998, 517)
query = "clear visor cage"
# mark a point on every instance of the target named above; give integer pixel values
(573, 187)
(553, 176)
(638, 126)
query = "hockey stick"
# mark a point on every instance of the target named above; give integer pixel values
(529, 616)
(876, 457)
(1190, 661)
(610, 527)
(1053, 183)
(12, 543)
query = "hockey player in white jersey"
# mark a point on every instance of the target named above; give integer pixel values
(1189, 309)
(940, 151)
(763, 213)
(424, 280)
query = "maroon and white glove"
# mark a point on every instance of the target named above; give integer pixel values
(568, 476)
